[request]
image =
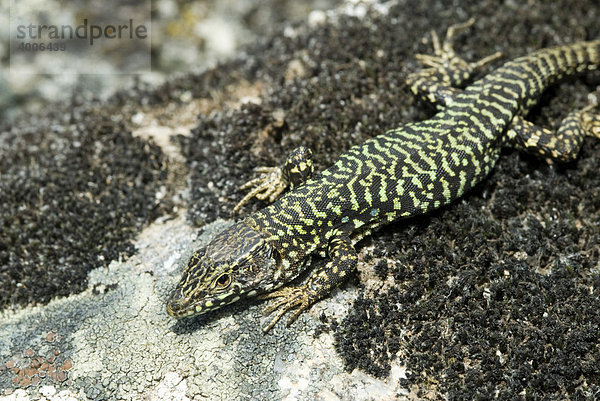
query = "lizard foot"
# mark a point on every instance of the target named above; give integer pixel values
(268, 185)
(444, 56)
(291, 298)
(591, 121)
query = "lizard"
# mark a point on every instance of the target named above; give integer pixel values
(404, 172)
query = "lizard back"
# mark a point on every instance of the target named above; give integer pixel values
(420, 166)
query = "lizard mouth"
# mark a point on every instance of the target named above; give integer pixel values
(179, 306)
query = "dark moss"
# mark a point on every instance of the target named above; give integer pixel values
(76, 186)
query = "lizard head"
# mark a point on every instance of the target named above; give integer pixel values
(237, 263)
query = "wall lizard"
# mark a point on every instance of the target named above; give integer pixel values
(407, 171)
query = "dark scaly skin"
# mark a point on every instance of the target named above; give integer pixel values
(402, 173)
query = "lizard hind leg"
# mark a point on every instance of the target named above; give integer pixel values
(445, 69)
(272, 181)
(591, 123)
(562, 145)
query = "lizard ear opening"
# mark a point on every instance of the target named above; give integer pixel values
(276, 257)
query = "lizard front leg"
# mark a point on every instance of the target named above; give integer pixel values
(343, 260)
(272, 181)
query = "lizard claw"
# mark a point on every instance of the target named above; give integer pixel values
(444, 54)
(591, 122)
(268, 185)
(291, 298)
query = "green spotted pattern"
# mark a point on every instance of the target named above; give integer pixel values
(418, 167)
(405, 172)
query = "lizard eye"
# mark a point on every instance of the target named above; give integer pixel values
(223, 280)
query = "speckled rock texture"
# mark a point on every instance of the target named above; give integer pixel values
(496, 296)
(186, 35)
